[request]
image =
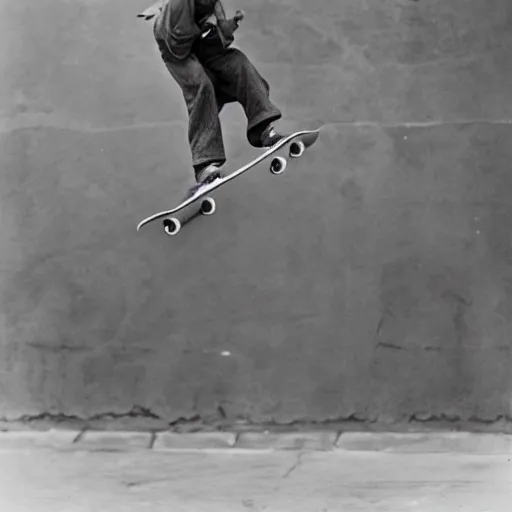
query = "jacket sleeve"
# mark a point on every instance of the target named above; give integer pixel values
(152, 11)
(219, 11)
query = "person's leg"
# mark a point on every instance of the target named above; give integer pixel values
(237, 79)
(204, 132)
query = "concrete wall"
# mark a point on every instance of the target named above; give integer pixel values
(372, 281)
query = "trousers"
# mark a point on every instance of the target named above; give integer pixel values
(210, 77)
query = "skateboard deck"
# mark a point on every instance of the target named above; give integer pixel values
(205, 205)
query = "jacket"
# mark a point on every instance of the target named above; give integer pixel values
(174, 25)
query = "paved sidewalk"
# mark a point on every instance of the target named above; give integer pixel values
(67, 471)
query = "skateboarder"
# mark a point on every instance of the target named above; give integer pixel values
(194, 38)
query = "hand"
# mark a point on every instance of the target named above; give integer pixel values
(239, 16)
(228, 27)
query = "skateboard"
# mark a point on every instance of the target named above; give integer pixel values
(205, 205)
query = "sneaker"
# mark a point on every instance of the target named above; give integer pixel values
(209, 174)
(270, 137)
(204, 177)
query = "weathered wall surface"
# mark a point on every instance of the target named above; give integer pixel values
(373, 280)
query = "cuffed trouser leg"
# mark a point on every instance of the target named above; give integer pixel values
(204, 129)
(237, 79)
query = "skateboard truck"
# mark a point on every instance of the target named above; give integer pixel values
(172, 226)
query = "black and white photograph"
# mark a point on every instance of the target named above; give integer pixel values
(256, 255)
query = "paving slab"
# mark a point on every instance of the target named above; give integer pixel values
(114, 441)
(33, 439)
(320, 440)
(458, 442)
(185, 441)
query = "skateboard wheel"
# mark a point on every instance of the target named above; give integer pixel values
(278, 165)
(208, 206)
(297, 149)
(172, 226)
